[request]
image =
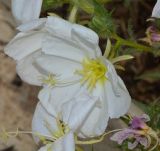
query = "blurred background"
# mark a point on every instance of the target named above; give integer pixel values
(18, 99)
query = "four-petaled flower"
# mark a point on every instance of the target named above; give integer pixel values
(65, 59)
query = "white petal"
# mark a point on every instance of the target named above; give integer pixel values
(87, 39)
(112, 76)
(156, 10)
(61, 67)
(45, 97)
(86, 33)
(82, 104)
(118, 104)
(62, 47)
(67, 142)
(34, 25)
(97, 121)
(26, 10)
(70, 40)
(27, 71)
(58, 27)
(117, 95)
(53, 98)
(24, 44)
(43, 123)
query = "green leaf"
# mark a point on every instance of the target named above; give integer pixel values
(102, 21)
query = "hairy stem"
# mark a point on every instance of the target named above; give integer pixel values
(132, 44)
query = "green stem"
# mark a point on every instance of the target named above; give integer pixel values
(129, 43)
(73, 14)
(115, 50)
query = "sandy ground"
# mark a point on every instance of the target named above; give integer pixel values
(17, 100)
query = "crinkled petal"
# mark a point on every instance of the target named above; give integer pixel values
(82, 104)
(60, 47)
(45, 97)
(24, 44)
(68, 142)
(26, 10)
(59, 27)
(156, 10)
(112, 76)
(117, 95)
(121, 136)
(27, 71)
(53, 98)
(60, 67)
(43, 123)
(78, 41)
(87, 39)
(118, 105)
(85, 33)
(97, 120)
(33, 25)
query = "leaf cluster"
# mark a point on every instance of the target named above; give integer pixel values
(101, 20)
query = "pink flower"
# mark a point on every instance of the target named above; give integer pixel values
(138, 132)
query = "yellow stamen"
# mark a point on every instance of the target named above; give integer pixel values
(93, 71)
(62, 129)
(50, 80)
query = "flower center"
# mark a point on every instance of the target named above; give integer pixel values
(93, 71)
(50, 80)
(61, 131)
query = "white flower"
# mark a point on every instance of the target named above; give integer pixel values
(26, 46)
(61, 131)
(69, 59)
(156, 10)
(26, 10)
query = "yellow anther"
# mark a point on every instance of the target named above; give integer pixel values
(93, 71)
